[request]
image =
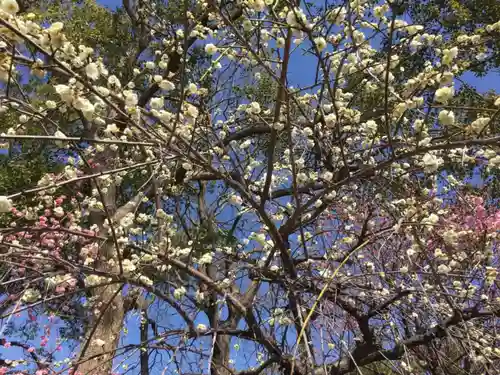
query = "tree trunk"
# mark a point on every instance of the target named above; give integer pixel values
(108, 330)
(108, 305)
(221, 350)
(108, 313)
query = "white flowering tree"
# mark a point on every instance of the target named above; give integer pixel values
(288, 206)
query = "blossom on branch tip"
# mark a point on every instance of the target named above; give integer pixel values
(210, 49)
(320, 43)
(444, 94)
(179, 292)
(5, 204)
(202, 328)
(9, 7)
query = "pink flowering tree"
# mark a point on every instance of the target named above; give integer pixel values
(296, 225)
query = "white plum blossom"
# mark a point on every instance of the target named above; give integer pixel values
(358, 36)
(199, 296)
(296, 18)
(157, 103)
(145, 280)
(85, 106)
(481, 56)
(114, 82)
(131, 98)
(330, 120)
(257, 5)
(444, 94)
(370, 127)
(127, 221)
(112, 128)
(128, 266)
(479, 124)
(58, 212)
(235, 199)
(191, 111)
(320, 43)
(70, 172)
(9, 6)
(55, 28)
(308, 132)
(449, 55)
(446, 117)
(211, 49)
(94, 280)
(104, 91)
(191, 88)
(31, 295)
(179, 292)
(446, 78)
(202, 328)
(431, 162)
(337, 15)
(65, 92)
(432, 219)
(5, 204)
(206, 259)
(246, 144)
(328, 176)
(166, 85)
(92, 71)
(443, 268)
(258, 237)
(253, 108)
